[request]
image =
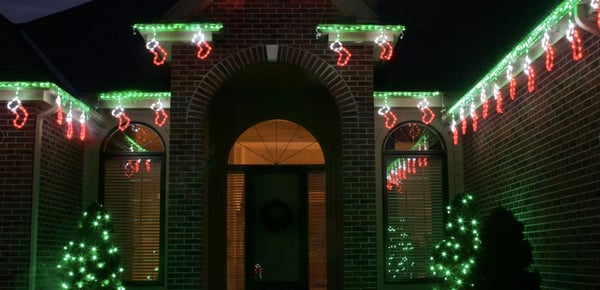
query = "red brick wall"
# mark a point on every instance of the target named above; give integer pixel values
(541, 159)
(248, 26)
(60, 198)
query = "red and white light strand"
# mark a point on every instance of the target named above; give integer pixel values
(499, 99)
(387, 50)
(428, 114)
(21, 114)
(474, 116)
(596, 6)
(82, 126)
(69, 125)
(160, 54)
(59, 112)
(549, 50)
(454, 132)
(575, 40)
(485, 105)
(512, 82)
(344, 54)
(161, 116)
(203, 46)
(463, 120)
(131, 167)
(120, 114)
(388, 115)
(530, 72)
(148, 164)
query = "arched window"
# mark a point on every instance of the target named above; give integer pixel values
(133, 174)
(413, 197)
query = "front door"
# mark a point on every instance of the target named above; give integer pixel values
(276, 228)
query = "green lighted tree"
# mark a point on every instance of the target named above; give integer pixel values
(399, 250)
(91, 260)
(454, 257)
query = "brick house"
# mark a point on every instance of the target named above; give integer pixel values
(276, 153)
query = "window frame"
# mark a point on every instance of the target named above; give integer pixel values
(387, 154)
(125, 155)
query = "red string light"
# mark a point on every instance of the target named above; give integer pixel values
(549, 49)
(463, 121)
(428, 114)
(390, 117)
(474, 117)
(69, 125)
(203, 46)
(148, 164)
(21, 114)
(131, 167)
(530, 72)
(59, 112)
(161, 116)
(160, 54)
(512, 83)
(82, 127)
(484, 103)
(454, 133)
(575, 40)
(344, 54)
(124, 120)
(499, 99)
(387, 50)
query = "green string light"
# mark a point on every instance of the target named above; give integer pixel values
(337, 28)
(521, 49)
(174, 27)
(133, 95)
(65, 97)
(415, 95)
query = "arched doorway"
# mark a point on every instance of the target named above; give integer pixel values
(276, 208)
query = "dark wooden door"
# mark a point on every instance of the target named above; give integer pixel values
(276, 228)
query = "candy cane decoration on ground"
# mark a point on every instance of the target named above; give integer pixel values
(484, 103)
(82, 126)
(428, 114)
(18, 109)
(575, 40)
(499, 99)
(387, 50)
(124, 120)
(454, 132)
(549, 49)
(343, 54)
(474, 116)
(512, 82)
(390, 117)
(160, 54)
(204, 48)
(59, 112)
(161, 116)
(596, 6)
(530, 72)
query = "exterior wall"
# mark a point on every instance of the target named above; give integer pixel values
(48, 191)
(248, 27)
(541, 159)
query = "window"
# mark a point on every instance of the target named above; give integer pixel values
(413, 199)
(133, 166)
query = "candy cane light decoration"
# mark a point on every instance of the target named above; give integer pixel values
(428, 114)
(18, 110)
(549, 50)
(575, 40)
(344, 54)
(160, 54)
(200, 42)
(161, 116)
(387, 50)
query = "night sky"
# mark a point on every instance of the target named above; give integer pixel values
(448, 45)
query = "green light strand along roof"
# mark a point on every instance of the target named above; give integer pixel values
(325, 28)
(65, 97)
(173, 27)
(134, 95)
(520, 49)
(415, 95)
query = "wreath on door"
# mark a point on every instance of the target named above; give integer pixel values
(276, 215)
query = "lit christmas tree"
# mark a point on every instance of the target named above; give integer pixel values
(454, 257)
(400, 247)
(91, 260)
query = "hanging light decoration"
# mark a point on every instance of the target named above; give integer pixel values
(512, 82)
(390, 117)
(474, 116)
(387, 50)
(159, 53)
(454, 131)
(59, 112)
(69, 125)
(203, 46)
(119, 113)
(21, 114)
(428, 114)
(549, 50)
(530, 72)
(499, 99)
(596, 6)
(484, 103)
(463, 120)
(575, 40)
(161, 116)
(82, 127)
(343, 53)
